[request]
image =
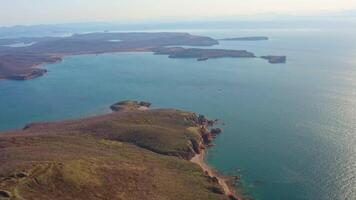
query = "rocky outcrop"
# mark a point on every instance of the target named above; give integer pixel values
(130, 105)
(216, 131)
(206, 134)
(202, 120)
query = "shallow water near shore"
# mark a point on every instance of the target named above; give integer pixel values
(289, 128)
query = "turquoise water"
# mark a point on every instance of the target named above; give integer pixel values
(290, 128)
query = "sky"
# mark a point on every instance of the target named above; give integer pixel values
(25, 12)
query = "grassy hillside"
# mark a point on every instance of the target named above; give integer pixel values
(124, 155)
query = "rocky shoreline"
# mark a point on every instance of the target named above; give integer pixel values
(208, 134)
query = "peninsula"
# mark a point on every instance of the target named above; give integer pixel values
(132, 153)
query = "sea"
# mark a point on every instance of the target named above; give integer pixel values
(289, 129)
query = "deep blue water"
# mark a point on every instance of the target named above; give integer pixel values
(290, 128)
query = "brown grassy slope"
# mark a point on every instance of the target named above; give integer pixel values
(122, 155)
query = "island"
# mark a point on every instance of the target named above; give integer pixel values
(132, 153)
(275, 59)
(24, 62)
(202, 59)
(202, 54)
(254, 38)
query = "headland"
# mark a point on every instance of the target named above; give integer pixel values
(133, 153)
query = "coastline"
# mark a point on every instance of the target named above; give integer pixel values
(60, 58)
(21, 65)
(199, 159)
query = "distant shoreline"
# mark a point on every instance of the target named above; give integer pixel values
(23, 63)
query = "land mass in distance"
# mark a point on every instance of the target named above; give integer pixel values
(202, 54)
(21, 63)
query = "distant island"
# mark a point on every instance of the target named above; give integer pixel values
(202, 54)
(275, 59)
(133, 153)
(255, 38)
(22, 62)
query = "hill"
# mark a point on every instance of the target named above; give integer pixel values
(134, 153)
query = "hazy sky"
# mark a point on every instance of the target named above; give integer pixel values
(58, 11)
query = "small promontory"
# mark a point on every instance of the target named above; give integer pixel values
(130, 105)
